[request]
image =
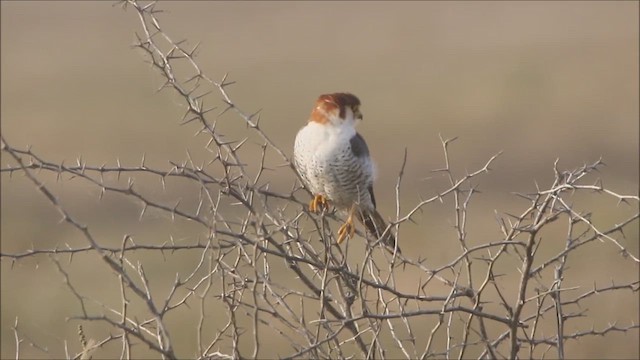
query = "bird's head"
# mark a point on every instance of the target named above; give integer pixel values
(337, 109)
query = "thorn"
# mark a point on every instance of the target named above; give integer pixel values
(203, 95)
(189, 120)
(173, 211)
(144, 209)
(203, 112)
(119, 168)
(165, 84)
(226, 109)
(192, 52)
(143, 159)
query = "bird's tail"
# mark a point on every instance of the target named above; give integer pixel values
(376, 226)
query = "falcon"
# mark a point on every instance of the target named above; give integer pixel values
(334, 164)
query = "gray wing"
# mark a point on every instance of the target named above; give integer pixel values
(373, 198)
(359, 146)
(360, 149)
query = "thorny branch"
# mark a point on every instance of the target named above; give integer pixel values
(272, 273)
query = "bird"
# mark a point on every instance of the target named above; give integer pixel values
(335, 165)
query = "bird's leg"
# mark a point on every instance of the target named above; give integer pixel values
(318, 204)
(348, 229)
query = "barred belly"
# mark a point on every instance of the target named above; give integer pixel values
(344, 179)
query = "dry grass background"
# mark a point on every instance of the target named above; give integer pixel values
(538, 80)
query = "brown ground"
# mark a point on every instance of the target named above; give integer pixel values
(538, 80)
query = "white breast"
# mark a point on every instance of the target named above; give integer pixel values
(324, 159)
(322, 140)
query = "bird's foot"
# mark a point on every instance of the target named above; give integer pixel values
(318, 204)
(346, 230)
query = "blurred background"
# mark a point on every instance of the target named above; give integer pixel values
(537, 80)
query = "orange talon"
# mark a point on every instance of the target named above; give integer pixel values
(348, 229)
(318, 203)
